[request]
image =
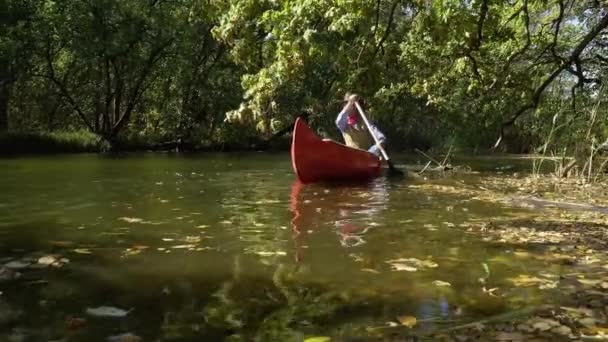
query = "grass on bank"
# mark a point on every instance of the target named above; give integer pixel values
(51, 142)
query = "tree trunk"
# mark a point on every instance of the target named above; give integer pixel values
(4, 97)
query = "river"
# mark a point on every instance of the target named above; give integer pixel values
(215, 246)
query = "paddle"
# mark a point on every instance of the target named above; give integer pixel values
(391, 167)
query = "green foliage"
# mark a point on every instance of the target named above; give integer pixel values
(55, 142)
(231, 72)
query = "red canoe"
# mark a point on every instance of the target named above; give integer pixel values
(317, 160)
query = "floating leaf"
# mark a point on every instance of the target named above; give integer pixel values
(525, 280)
(183, 246)
(588, 322)
(107, 311)
(408, 321)
(370, 270)
(127, 337)
(411, 264)
(51, 260)
(404, 267)
(268, 253)
(131, 219)
(541, 326)
(590, 282)
(562, 330)
(82, 251)
(75, 322)
(16, 265)
(441, 283)
(318, 339)
(510, 336)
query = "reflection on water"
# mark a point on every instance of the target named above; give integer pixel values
(225, 245)
(349, 211)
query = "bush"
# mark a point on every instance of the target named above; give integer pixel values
(51, 142)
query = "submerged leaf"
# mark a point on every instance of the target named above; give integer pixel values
(408, 321)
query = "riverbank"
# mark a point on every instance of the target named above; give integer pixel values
(41, 143)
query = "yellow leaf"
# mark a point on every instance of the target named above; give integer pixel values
(591, 282)
(82, 251)
(408, 321)
(318, 339)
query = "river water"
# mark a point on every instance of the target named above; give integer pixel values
(212, 247)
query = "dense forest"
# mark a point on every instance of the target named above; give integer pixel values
(512, 75)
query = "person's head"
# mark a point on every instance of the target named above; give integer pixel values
(353, 116)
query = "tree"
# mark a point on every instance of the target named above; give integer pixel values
(15, 49)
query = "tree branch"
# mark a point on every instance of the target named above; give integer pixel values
(602, 59)
(483, 11)
(387, 32)
(62, 88)
(524, 9)
(139, 89)
(474, 65)
(557, 22)
(533, 103)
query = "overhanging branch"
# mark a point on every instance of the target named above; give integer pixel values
(533, 103)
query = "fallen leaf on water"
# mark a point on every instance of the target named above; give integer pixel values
(370, 270)
(411, 264)
(267, 253)
(318, 339)
(524, 280)
(588, 322)
(75, 322)
(131, 219)
(82, 251)
(183, 246)
(403, 267)
(562, 330)
(192, 239)
(542, 326)
(590, 282)
(107, 311)
(51, 260)
(441, 283)
(61, 243)
(521, 254)
(16, 265)
(128, 337)
(582, 311)
(408, 321)
(510, 336)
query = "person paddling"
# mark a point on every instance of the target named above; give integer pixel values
(353, 128)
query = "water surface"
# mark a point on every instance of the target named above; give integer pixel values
(206, 247)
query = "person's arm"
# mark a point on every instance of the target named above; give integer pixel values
(342, 119)
(379, 135)
(381, 139)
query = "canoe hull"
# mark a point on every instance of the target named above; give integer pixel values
(319, 160)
